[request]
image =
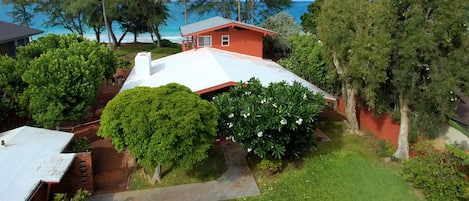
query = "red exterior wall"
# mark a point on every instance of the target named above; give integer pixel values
(241, 41)
(79, 175)
(40, 194)
(382, 126)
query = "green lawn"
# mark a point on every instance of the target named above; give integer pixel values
(128, 51)
(210, 169)
(346, 168)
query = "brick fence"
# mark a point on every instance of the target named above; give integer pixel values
(382, 126)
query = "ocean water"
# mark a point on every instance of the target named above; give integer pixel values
(169, 31)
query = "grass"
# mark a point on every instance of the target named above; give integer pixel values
(128, 51)
(346, 168)
(210, 169)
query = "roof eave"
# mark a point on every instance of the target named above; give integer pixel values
(232, 24)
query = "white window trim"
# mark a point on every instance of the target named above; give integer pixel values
(204, 36)
(228, 40)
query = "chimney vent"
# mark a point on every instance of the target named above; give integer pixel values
(142, 64)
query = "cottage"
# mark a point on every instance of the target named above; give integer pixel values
(207, 70)
(224, 34)
(12, 36)
(31, 162)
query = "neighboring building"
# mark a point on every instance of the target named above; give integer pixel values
(12, 36)
(225, 34)
(31, 162)
(209, 70)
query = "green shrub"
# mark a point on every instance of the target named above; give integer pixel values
(81, 144)
(273, 121)
(60, 197)
(124, 64)
(81, 195)
(386, 148)
(271, 165)
(441, 175)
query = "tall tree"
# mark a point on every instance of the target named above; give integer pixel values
(278, 45)
(249, 10)
(62, 13)
(168, 125)
(429, 64)
(358, 47)
(22, 11)
(309, 19)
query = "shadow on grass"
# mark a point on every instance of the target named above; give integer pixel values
(332, 125)
(209, 169)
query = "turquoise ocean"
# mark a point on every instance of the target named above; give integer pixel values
(169, 31)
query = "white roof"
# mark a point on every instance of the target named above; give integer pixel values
(31, 155)
(204, 68)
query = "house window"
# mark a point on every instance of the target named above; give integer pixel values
(225, 40)
(205, 41)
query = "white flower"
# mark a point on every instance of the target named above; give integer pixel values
(304, 96)
(229, 124)
(299, 121)
(246, 115)
(263, 101)
(283, 121)
(231, 115)
(274, 105)
(450, 92)
(247, 93)
(249, 149)
(259, 134)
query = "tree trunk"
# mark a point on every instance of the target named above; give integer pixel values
(157, 175)
(350, 108)
(402, 151)
(348, 93)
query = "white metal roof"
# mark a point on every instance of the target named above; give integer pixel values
(204, 68)
(31, 155)
(214, 22)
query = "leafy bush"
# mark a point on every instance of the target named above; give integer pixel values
(124, 64)
(271, 165)
(82, 144)
(80, 195)
(441, 175)
(273, 121)
(386, 148)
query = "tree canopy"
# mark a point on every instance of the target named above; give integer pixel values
(429, 64)
(274, 122)
(249, 11)
(63, 77)
(278, 45)
(411, 54)
(307, 61)
(167, 125)
(357, 42)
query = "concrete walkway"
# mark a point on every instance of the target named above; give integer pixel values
(237, 182)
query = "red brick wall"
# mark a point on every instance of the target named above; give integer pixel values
(79, 175)
(382, 126)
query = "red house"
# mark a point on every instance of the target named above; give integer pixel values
(225, 34)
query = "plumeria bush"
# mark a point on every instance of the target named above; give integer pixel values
(273, 121)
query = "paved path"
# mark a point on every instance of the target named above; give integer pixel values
(237, 182)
